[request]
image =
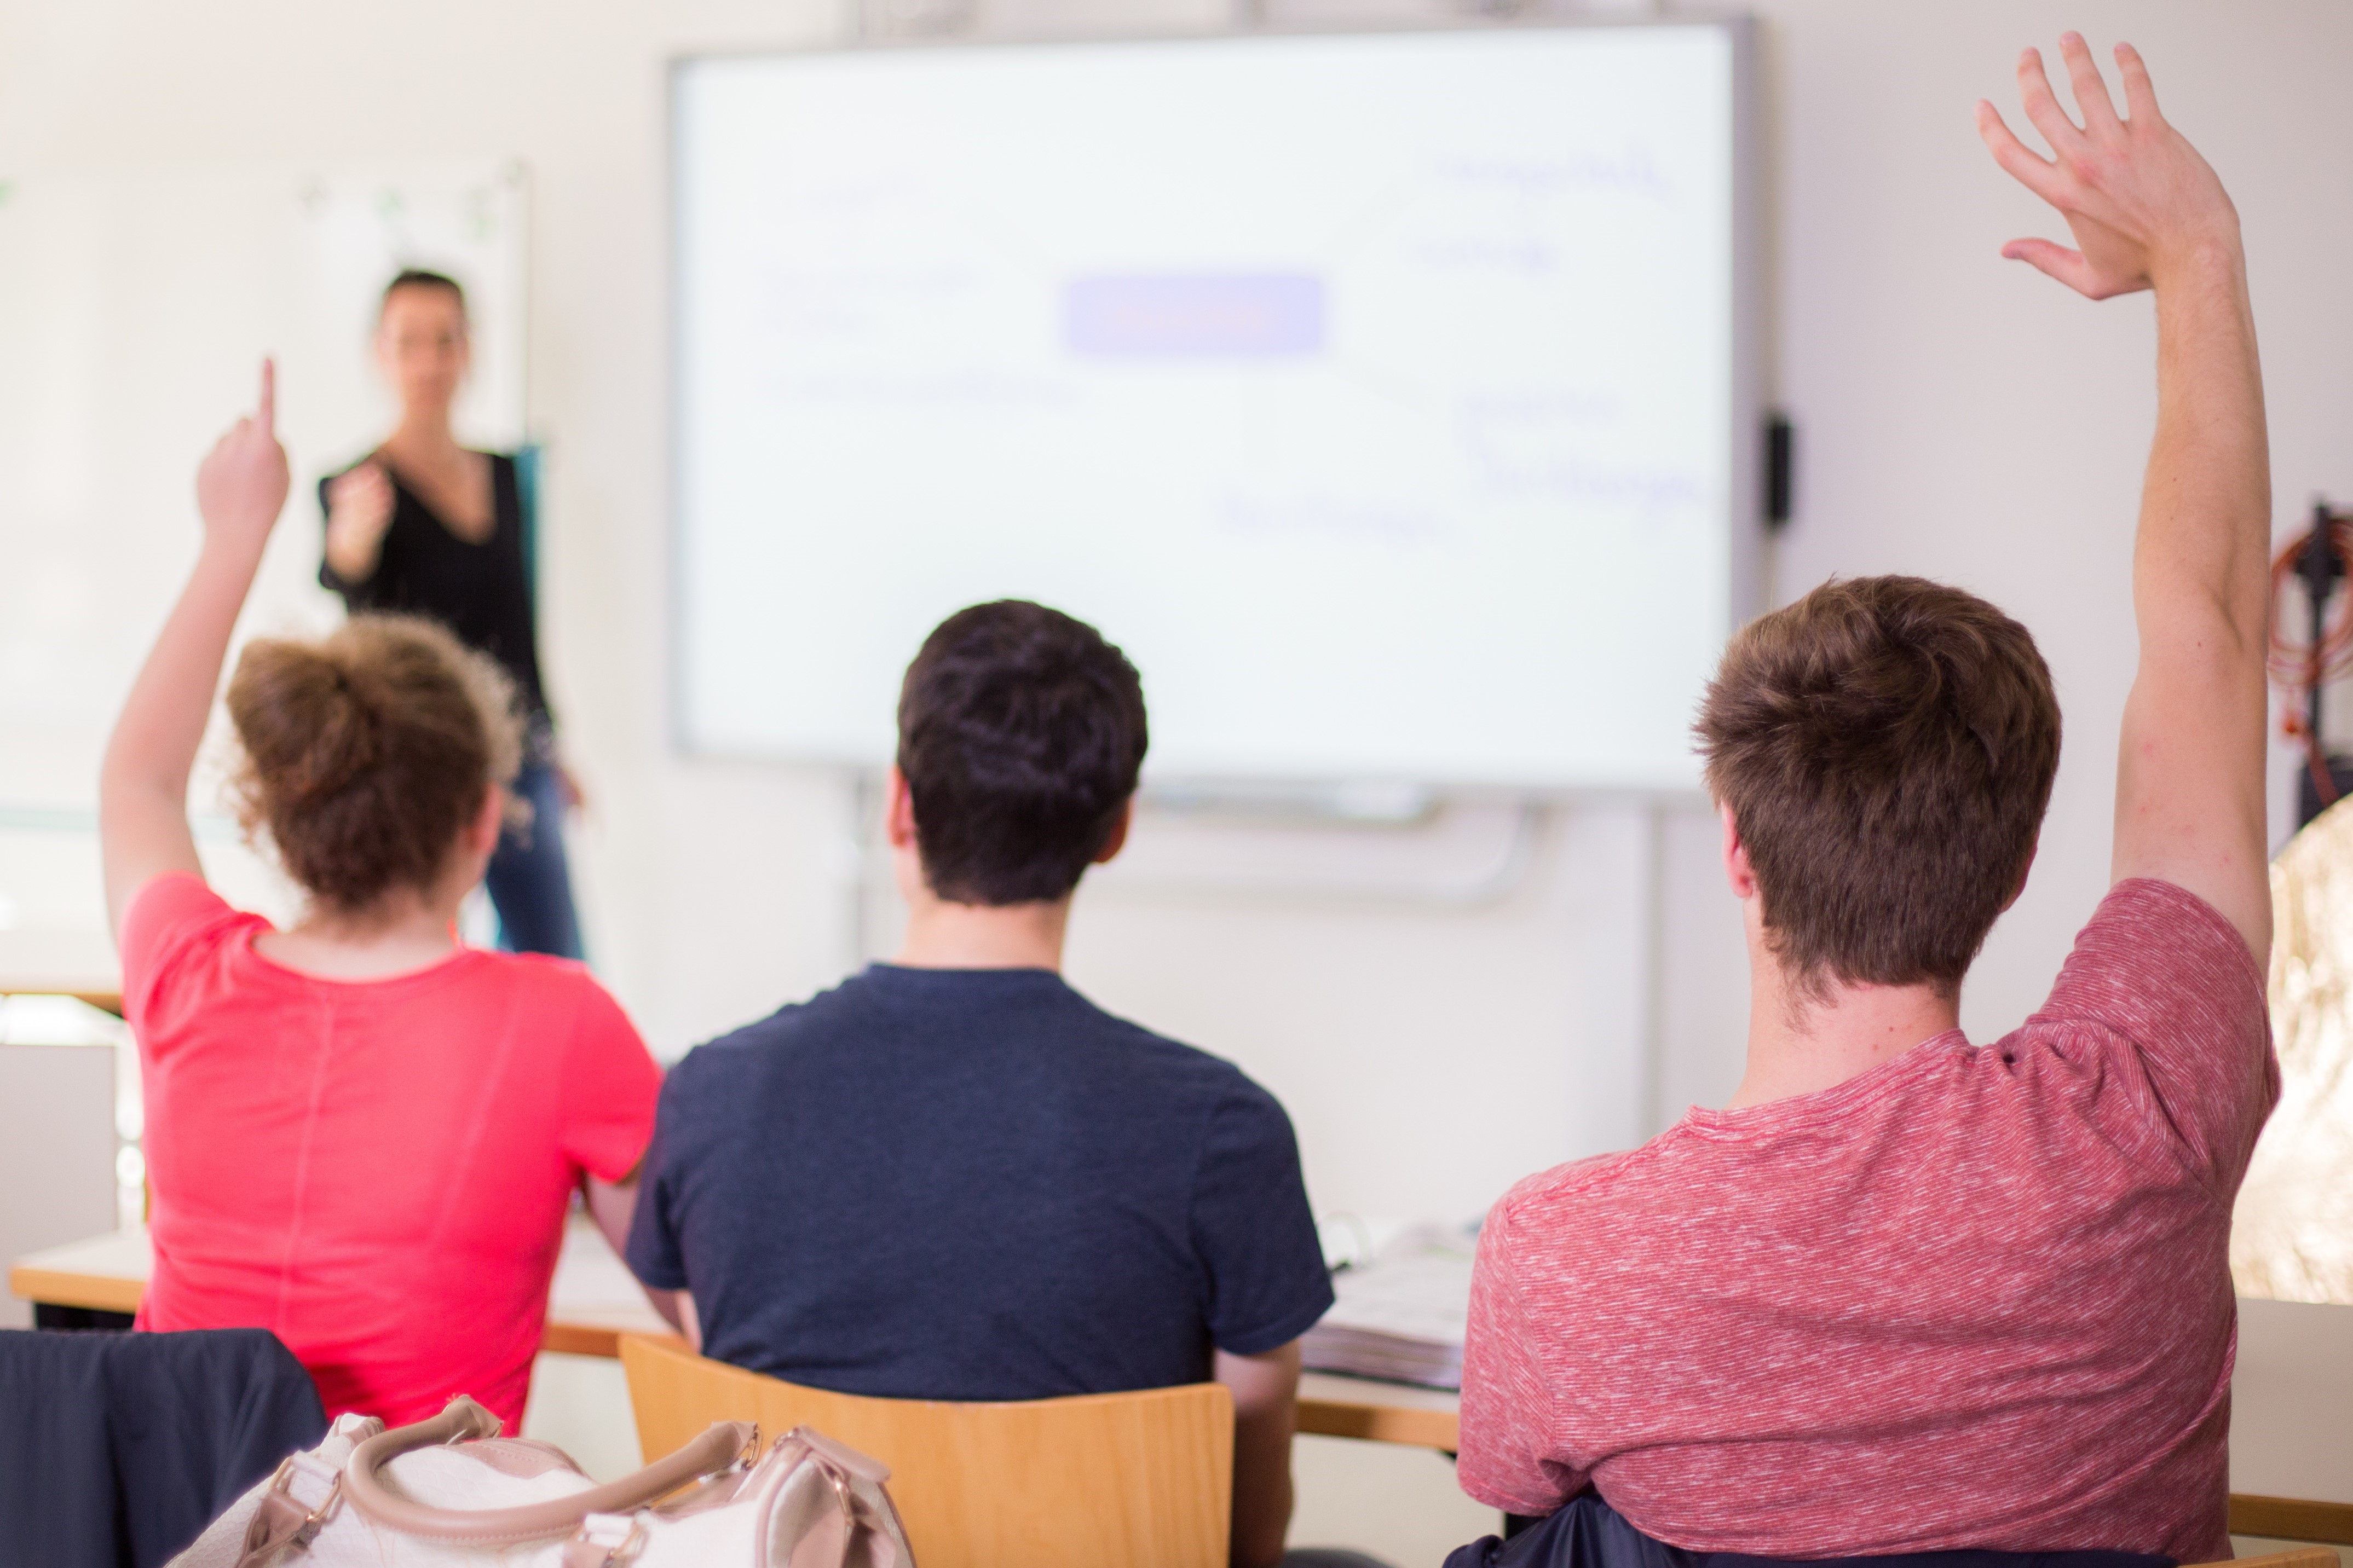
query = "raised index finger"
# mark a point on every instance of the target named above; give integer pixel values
(265, 413)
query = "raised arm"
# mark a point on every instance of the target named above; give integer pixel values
(142, 784)
(2148, 213)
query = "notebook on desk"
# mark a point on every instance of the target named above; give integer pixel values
(1402, 1316)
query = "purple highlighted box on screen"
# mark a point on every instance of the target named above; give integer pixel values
(1250, 314)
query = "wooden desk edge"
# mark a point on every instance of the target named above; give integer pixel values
(2291, 1519)
(1377, 1423)
(88, 1291)
(104, 1001)
(103, 1294)
(592, 1338)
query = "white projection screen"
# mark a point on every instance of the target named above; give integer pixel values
(1384, 395)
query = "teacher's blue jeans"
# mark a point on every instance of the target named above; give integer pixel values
(529, 882)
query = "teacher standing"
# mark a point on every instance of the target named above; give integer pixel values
(424, 526)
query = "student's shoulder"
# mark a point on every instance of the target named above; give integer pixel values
(1574, 1198)
(2159, 970)
(558, 998)
(175, 903)
(1171, 1064)
(542, 977)
(727, 1060)
(2154, 938)
(175, 929)
(174, 921)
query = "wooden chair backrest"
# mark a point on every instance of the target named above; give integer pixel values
(2302, 1557)
(1048, 1483)
(2291, 1517)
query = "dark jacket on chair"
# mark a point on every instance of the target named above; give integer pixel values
(117, 1449)
(1588, 1533)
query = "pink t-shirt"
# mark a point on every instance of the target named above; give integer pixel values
(377, 1170)
(1976, 1297)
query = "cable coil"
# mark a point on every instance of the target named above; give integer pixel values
(2300, 668)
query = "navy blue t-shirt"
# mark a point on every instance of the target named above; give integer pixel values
(960, 1184)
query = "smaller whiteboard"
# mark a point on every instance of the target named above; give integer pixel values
(135, 306)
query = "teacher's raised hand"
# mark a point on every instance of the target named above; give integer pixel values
(360, 505)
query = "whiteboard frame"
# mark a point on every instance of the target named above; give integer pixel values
(1747, 566)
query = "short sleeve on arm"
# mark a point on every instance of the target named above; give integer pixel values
(655, 1255)
(2159, 970)
(1253, 1229)
(611, 1086)
(1506, 1398)
(175, 926)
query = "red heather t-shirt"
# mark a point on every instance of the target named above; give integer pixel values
(376, 1171)
(1976, 1297)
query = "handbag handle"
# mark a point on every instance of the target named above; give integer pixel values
(713, 1451)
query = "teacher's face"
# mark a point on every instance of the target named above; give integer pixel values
(421, 344)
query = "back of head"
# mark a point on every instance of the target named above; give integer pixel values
(1887, 747)
(368, 752)
(1021, 733)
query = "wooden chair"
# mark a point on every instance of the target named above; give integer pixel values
(2291, 1519)
(1048, 1483)
(2302, 1557)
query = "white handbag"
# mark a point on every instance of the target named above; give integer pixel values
(452, 1493)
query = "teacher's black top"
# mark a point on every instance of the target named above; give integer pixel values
(480, 591)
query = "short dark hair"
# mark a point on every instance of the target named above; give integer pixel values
(1021, 733)
(1887, 747)
(421, 278)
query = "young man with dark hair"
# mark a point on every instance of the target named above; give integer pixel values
(1907, 1294)
(954, 1177)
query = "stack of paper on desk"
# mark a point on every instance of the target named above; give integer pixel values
(1402, 1316)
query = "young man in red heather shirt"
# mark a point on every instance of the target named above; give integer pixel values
(1908, 1294)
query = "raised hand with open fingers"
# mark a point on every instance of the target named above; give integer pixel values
(2136, 194)
(241, 485)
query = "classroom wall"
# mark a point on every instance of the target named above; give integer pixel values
(57, 1149)
(1443, 1009)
